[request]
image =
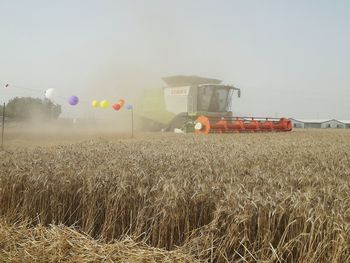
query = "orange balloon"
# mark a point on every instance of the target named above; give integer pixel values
(121, 102)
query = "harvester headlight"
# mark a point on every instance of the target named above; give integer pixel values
(198, 126)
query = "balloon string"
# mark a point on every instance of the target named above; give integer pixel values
(62, 98)
(7, 85)
(10, 86)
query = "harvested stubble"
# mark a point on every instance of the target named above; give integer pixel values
(228, 198)
(18, 243)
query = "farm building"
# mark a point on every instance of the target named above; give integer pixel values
(317, 123)
(297, 123)
(346, 123)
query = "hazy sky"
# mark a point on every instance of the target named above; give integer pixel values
(290, 58)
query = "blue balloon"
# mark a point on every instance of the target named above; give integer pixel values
(129, 107)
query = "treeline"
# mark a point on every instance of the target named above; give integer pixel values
(27, 109)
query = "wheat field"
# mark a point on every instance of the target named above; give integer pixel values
(281, 197)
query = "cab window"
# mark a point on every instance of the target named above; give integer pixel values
(212, 99)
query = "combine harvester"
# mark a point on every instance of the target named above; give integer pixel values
(200, 105)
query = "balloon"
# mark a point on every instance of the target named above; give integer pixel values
(116, 106)
(121, 102)
(73, 100)
(50, 94)
(104, 104)
(95, 104)
(128, 107)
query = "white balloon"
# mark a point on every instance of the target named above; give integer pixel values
(50, 94)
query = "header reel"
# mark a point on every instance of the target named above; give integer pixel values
(206, 125)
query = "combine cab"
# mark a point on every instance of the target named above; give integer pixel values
(200, 105)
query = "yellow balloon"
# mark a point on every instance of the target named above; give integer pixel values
(104, 104)
(95, 104)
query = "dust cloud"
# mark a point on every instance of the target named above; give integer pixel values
(115, 50)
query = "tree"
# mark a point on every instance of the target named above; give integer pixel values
(27, 108)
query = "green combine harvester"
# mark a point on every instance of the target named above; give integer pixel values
(201, 105)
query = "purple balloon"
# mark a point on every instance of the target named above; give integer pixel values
(73, 100)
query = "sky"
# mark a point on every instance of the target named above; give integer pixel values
(290, 58)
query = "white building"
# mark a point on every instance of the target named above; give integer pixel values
(297, 123)
(318, 123)
(346, 123)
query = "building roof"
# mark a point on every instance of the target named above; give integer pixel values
(182, 80)
(312, 120)
(315, 120)
(345, 121)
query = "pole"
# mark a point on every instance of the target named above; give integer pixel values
(132, 123)
(3, 126)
